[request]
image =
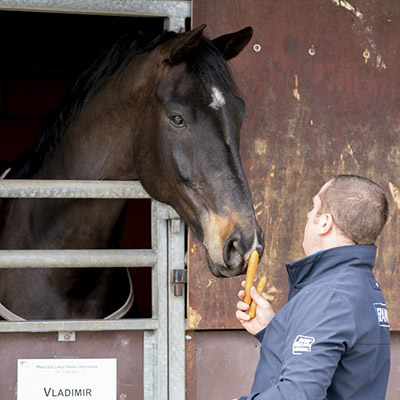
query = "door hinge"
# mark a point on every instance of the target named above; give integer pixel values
(179, 279)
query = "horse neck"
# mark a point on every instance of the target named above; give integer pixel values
(100, 142)
(98, 145)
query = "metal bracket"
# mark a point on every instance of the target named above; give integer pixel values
(175, 221)
(179, 278)
(175, 225)
(66, 336)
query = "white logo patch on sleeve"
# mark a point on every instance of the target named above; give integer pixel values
(382, 314)
(302, 344)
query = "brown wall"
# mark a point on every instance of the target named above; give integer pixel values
(316, 107)
(221, 365)
(309, 117)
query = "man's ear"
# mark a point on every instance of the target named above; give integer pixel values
(325, 223)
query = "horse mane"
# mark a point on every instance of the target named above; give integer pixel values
(207, 63)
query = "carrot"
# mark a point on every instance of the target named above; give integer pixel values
(251, 273)
(260, 287)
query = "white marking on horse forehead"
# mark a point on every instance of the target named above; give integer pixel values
(217, 97)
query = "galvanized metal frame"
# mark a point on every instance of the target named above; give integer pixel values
(176, 311)
(164, 342)
(174, 12)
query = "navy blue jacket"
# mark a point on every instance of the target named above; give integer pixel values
(331, 340)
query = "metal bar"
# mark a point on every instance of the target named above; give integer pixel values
(160, 297)
(77, 258)
(162, 389)
(80, 325)
(149, 364)
(155, 210)
(148, 8)
(176, 311)
(27, 188)
(175, 23)
(156, 384)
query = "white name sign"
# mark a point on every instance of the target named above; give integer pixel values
(67, 379)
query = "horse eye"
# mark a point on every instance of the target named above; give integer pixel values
(177, 121)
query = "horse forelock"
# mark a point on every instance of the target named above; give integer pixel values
(209, 65)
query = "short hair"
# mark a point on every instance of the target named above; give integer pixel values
(358, 205)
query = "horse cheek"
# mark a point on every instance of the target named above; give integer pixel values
(182, 165)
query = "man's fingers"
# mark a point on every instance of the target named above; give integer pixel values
(241, 305)
(259, 299)
(242, 316)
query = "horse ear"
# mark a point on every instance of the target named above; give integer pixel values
(184, 44)
(232, 44)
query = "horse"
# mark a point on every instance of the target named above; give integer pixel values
(164, 110)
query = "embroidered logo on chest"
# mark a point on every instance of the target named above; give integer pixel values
(382, 314)
(302, 344)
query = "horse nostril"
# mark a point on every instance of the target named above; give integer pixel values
(260, 244)
(233, 254)
(260, 250)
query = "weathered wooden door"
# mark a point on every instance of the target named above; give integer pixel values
(321, 83)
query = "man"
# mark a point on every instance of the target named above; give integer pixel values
(331, 340)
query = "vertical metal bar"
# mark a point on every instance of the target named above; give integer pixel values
(174, 23)
(150, 359)
(162, 295)
(156, 343)
(149, 365)
(150, 353)
(176, 312)
(155, 215)
(164, 349)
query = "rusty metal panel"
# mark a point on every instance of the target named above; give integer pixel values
(321, 84)
(87, 345)
(393, 391)
(234, 354)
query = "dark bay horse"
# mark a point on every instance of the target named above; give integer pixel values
(163, 110)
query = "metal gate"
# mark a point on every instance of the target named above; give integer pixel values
(164, 333)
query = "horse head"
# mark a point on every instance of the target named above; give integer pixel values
(187, 152)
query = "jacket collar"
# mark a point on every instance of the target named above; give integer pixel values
(327, 263)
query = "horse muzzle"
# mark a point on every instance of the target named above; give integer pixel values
(236, 253)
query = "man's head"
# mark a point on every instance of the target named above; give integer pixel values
(347, 210)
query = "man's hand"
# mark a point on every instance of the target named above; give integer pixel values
(264, 312)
